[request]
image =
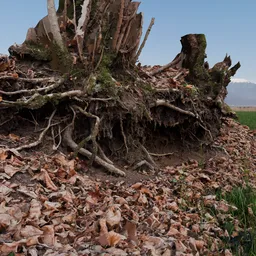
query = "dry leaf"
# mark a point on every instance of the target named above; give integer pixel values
(199, 244)
(113, 216)
(29, 231)
(49, 183)
(48, 235)
(35, 210)
(103, 239)
(131, 230)
(14, 137)
(10, 170)
(3, 154)
(5, 221)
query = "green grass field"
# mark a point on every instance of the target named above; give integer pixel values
(247, 118)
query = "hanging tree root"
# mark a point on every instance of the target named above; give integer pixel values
(169, 105)
(70, 143)
(92, 136)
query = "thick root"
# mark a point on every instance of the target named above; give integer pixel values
(70, 143)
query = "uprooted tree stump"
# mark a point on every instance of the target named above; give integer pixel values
(101, 104)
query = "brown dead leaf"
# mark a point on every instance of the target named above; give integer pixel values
(137, 185)
(196, 228)
(15, 75)
(103, 239)
(173, 232)
(29, 231)
(14, 137)
(250, 211)
(173, 206)
(228, 253)
(10, 170)
(49, 235)
(33, 240)
(131, 230)
(114, 238)
(35, 210)
(3, 154)
(142, 199)
(49, 183)
(6, 248)
(199, 244)
(113, 216)
(222, 206)
(5, 221)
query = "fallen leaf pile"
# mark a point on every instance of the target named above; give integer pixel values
(49, 208)
(170, 78)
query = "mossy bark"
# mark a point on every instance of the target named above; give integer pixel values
(193, 47)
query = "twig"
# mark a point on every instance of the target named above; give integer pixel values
(100, 99)
(46, 89)
(41, 136)
(169, 105)
(161, 155)
(69, 141)
(145, 39)
(222, 148)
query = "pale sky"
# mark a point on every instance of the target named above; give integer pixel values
(229, 26)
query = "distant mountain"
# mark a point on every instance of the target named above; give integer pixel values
(241, 93)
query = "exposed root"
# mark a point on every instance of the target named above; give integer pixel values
(143, 162)
(70, 143)
(41, 136)
(149, 158)
(93, 135)
(221, 148)
(207, 130)
(37, 100)
(123, 134)
(169, 105)
(43, 89)
(103, 156)
(161, 155)
(55, 147)
(28, 80)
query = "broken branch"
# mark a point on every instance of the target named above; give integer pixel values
(145, 39)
